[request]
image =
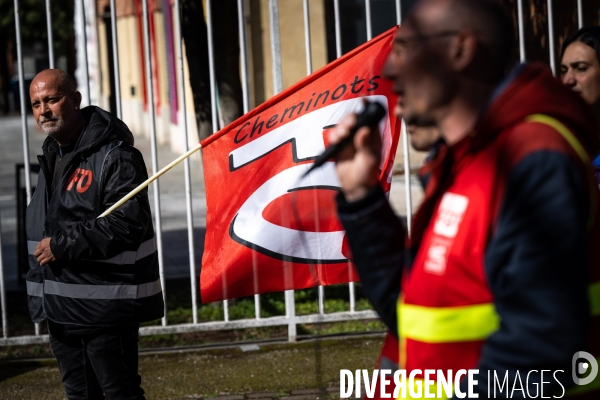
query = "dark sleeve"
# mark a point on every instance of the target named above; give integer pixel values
(376, 238)
(537, 267)
(596, 164)
(122, 230)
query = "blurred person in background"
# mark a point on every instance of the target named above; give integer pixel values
(426, 138)
(580, 70)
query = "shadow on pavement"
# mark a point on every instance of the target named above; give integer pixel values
(10, 369)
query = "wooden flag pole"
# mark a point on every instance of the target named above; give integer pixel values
(150, 180)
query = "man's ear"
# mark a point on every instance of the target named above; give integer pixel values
(462, 50)
(77, 99)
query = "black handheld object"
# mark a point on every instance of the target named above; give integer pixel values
(370, 116)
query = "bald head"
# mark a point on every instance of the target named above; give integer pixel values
(446, 61)
(58, 78)
(55, 103)
(488, 20)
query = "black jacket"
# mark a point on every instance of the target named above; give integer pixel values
(106, 270)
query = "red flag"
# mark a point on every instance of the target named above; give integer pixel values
(266, 228)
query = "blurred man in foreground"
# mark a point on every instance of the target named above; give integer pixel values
(503, 250)
(94, 279)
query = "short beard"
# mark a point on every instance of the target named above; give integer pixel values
(58, 127)
(421, 121)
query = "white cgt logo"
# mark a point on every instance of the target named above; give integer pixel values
(450, 214)
(306, 136)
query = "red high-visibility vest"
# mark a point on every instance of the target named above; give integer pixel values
(446, 310)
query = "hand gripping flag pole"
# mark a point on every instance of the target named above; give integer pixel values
(150, 180)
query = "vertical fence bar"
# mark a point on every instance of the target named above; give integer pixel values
(23, 113)
(115, 47)
(338, 49)
(149, 82)
(408, 189)
(290, 311)
(405, 148)
(307, 44)
(50, 39)
(307, 47)
(188, 184)
(352, 297)
(290, 306)
(84, 51)
(213, 100)
(226, 310)
(211, 66)
(243, 55)
(3, 291)
(551, 37)
(22, 102)
(245, 93)
(521, 30)
(580, 14)
(338, 29)
(368, 18)
(257, 306)
(321, 295)
(275, 46)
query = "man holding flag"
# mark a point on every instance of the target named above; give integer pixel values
(94, 279)
(502, 271)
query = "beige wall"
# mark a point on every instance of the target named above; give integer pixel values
(293, 51)
(261, 81)
(131, 78)
(131, 75)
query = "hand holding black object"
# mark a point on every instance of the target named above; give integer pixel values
(370, 116)
(357, 166)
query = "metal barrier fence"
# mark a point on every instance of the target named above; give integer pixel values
(290, 319)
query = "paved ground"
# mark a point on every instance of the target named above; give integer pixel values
(307, 370)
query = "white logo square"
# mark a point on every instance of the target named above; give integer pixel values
(450, 214)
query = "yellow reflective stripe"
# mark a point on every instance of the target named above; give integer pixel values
(402, 357)
(594, 294)
(447, 324)
(564, 132)
(459, 324)
(576, 145)
(577, 390)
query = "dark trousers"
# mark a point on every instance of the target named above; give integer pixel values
(98, 361)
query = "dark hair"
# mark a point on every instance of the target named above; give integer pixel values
(589, 35)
